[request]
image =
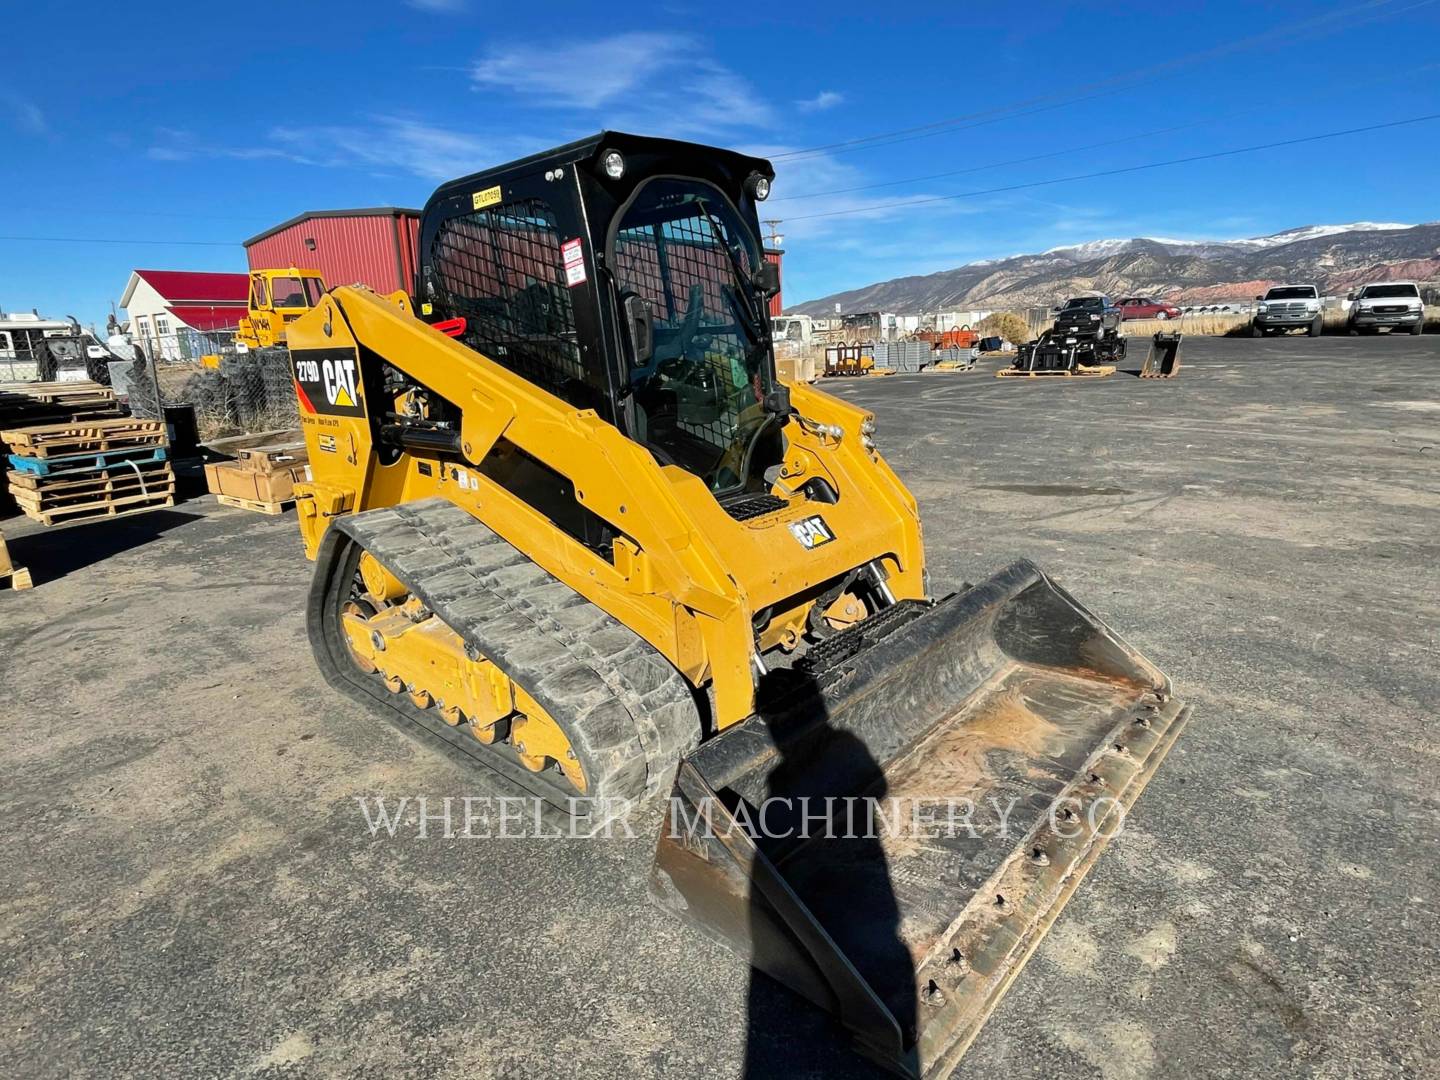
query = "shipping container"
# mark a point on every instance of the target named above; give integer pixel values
(374, 246)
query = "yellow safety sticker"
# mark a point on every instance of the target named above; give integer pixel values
(427, 309)
(489, 197)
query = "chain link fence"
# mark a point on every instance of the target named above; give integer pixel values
(232, 392)
(248, 392)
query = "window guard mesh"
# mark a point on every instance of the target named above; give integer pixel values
(501, 269)
(666, 260)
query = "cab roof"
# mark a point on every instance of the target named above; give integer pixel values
(647, 154)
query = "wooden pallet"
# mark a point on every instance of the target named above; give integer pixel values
(149, 471)
(17, 576)
(91, 437)
(108, 491)
(56, 391)
(231, 445)
(83, 463)
(271, 508)
(30, 404)
(95, 512)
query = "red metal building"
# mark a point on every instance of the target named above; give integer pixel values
(374, 246)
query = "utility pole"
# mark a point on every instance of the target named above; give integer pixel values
(774, 237)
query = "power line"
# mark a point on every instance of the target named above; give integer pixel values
(1117, 172)
(1088, 91)
(1329, 92)
(109, 240)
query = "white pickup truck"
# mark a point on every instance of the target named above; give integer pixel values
(1395, 304)
(1287, 307)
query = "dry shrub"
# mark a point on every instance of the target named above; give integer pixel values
(1005, 324)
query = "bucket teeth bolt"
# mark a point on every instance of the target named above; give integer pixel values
(957, 962)
(932, 995)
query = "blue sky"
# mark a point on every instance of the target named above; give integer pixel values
(199, 125)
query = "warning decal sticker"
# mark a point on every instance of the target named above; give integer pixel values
(573, 254)
(327, 381)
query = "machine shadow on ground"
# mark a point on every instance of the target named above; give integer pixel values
(776, 1044)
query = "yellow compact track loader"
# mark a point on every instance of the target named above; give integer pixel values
(568, 524)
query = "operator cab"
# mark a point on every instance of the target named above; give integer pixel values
(285, 290)
(623, 274)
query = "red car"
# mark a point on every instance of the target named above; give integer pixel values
(1142, 307)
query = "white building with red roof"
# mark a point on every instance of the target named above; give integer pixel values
(169, 310)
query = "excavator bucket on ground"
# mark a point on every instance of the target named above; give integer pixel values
(897, 827)
(1163, 359)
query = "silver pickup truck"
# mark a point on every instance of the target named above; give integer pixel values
(1395, 304)
(1287, 307)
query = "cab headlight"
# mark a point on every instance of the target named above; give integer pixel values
(614, 164)
(759, 187)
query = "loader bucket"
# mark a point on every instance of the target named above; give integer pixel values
(1008, 691)
(1163, 359)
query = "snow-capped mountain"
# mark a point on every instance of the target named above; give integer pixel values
(1313, 232)
(1335, 257)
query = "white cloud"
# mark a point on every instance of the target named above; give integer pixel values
(25, 115)
(657, 82)
(867, 219)
(438, 6)
(826, 99)
(386, 143)
(404, 144)
(581, 74)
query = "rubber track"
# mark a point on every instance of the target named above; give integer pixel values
(633, 714)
